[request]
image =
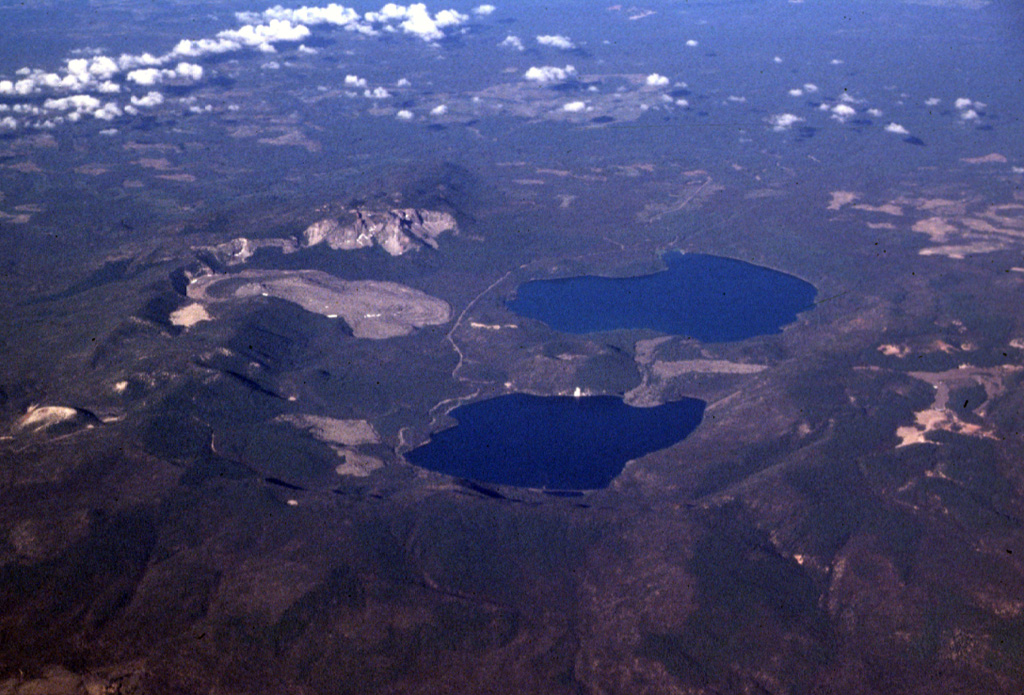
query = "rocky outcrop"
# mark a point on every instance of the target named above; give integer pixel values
(396, 231)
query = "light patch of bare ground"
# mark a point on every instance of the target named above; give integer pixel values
(45, 416)
(955, 228)
(841, 198)
(189, 315)
(15, 218)
(356, 464)
(333, 430)
(991, 158)
(655, 373)
(157, 163)
(372, 309)
(939, 416)
(295, 138)
(182, 178)
(343, 436)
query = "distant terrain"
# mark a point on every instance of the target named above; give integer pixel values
(253, 256)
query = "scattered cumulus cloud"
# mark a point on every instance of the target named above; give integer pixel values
(512, 42)
(932, 101)
(784, 121)
(416, 20)
(108, 112)
(692, 43)
(79, 103)
(89, 71)
(842, 112)
(403, 82)
(404, 115)
(376, 93)
(150, 100)
(575, 106)
(896, 129)
(796, 92)
(354, 81)
(810, 87)
(439, 110)
(556, 41)
(152, 76)
(656, 80)
(549, 74)
(876, 113)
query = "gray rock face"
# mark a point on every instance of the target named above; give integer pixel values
(396, 231)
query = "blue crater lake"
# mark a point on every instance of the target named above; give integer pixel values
(554, 442)
(710, 298)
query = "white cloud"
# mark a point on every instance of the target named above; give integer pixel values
(148, 77)
(548, 74)
(682, 102)
(8, 123)
(556, 41)
(575, 106)
(963, 103)
(835, 61)
(144, 60)
(306, 50)
(189, 71)
(108, 88)
(109, 112)
(377, 93)
(932, 101)
(103, 67)
(414, 19)
(354, 81)
(150, 100)
(841, 112)
(483, 10)
(403, 82)
(263, 36)
(692, 43)
(656, 80)
(404, 115)
(186, 48)
(875, 112)
(439, 110)
(80, 103)
(810, 87)
(145, 76)
(333, 14)
(777, 60)
(784, 121)
(969, 115)
(512, 42)
(896, 129)
(796, 92)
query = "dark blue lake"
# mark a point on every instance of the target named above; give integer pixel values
(555, 443)
(710, 298)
